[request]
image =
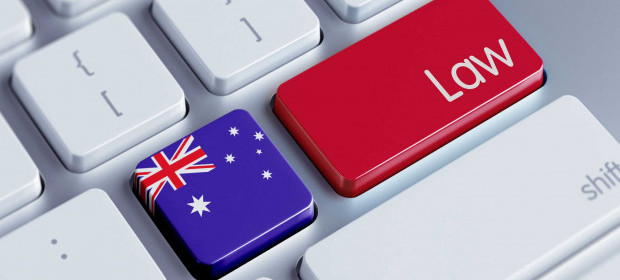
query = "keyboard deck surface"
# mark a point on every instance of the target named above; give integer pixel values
(577, 41)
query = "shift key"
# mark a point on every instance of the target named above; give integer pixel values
(512, 208)
(396, 96)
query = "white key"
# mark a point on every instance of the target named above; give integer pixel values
(15, 23)
(356, 11)
(511, 208)
(230, 43)
(20, 182)
(73, 7)
(97, 92)
(600, 261)
(84, 238)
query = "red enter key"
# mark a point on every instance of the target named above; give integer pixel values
(391, 99)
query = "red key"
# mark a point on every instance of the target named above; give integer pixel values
(396, 96)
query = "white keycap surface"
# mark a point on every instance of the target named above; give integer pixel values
(232, 43)
(600, 261)
(356, 11)
(73, 7)
(15, 23)
(19, 177)
(510, 209)
(97, 92)
(84, 238)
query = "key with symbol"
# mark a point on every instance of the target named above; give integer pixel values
(84, 238)
(232, 43)
(222, 195)
(406, 90)
(512, 208)
(98, 92)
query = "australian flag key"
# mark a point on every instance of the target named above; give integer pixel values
(222, 195)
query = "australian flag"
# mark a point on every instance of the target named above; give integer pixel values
(222, 195)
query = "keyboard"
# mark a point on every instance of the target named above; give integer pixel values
(309, 139)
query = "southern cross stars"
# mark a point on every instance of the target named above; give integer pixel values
(259, 136)
(199, 205)
(230, 158)
(234, 131)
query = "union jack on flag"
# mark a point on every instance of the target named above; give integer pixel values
(150, 181)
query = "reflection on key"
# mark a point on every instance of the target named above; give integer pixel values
(513, 207)
(98, 91)
(73, 7)
(84, 238)
(599, 261)
(232, 43)
(19, 177)
(15, 23)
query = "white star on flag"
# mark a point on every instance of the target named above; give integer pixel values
(259, 136)
(266, 174)
(233, 131)
(199, 205)
(259, 151)
(230, 158)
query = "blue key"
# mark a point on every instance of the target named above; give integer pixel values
(223, 195)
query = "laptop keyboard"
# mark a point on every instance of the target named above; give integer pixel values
(67, 243)
(260, 36)
(88, 78)
(252, 130)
